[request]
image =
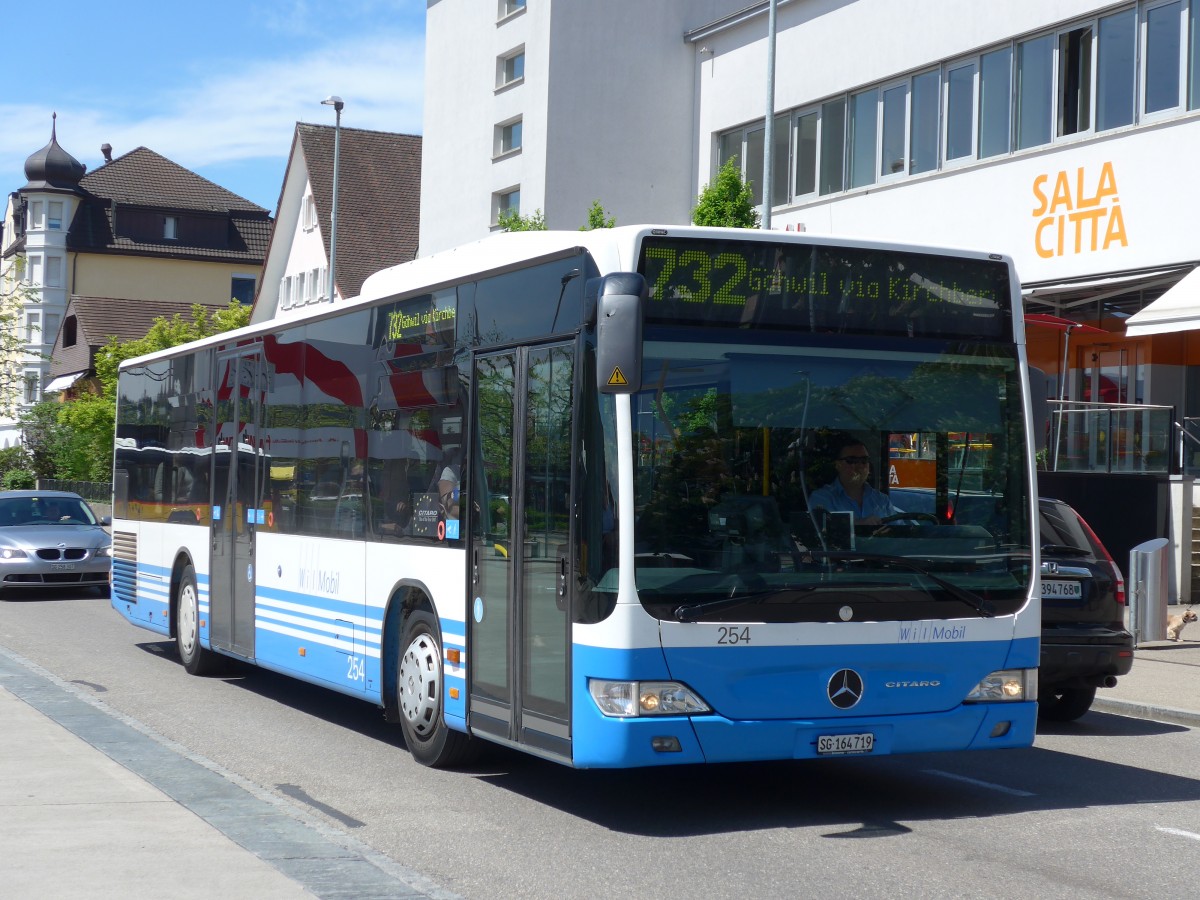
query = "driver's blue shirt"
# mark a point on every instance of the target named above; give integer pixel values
(833, 498)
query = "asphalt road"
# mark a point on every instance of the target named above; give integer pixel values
(1105, 807)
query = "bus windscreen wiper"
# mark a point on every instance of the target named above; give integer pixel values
(691, 612)
(970, 598)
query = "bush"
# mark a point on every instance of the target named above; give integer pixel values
(18, 480)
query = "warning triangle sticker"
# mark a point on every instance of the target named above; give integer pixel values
(617, 378)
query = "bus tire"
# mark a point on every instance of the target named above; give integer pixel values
(419, 686)
(196, 660)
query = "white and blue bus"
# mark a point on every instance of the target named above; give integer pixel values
(552, 490)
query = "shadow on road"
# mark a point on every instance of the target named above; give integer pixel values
(851, 797)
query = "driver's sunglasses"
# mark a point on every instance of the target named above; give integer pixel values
(855, 460)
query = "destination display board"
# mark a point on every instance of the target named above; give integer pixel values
(819, 288)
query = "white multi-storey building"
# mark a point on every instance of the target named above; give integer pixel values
(1061, 132)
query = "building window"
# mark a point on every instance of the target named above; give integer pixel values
(995, 103)
(50, 329)
(170, 228)
(833, 142)
(1194, 56)
(54, 273)
(1116, 70)
(864, 118)
(511, 8)
(319, 278)
(308, 213)
(33, 272)
(960, 112)
(806, 153)
(508, 138)
(37, 214)
(33, 328)
(510, 68)
(33, 386)
(285, 292)
(300, 279)
(926, 90)
(504, 202)
(54, 219)
(242, 289)
(1035, 91)
(1075, 81)
(70, 329)
(894, 133)
(1163, 57)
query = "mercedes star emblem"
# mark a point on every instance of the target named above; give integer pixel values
(845, 688)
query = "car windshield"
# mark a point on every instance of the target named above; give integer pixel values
(44, 510)
(740, 450)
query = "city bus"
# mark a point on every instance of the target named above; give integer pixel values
(550, 490)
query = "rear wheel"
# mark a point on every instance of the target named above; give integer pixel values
(196, 660)
(1065, 704)
(419, 687)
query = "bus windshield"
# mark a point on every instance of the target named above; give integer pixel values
(737, 450)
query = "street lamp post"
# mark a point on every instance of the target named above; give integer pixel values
(338, 105)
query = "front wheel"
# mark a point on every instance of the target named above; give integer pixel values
(419, 687)
(1065, 704)
(196, 660)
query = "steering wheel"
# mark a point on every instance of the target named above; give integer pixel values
(922, 516)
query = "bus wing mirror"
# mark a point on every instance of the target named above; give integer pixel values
(620, 302)
(1039, 391)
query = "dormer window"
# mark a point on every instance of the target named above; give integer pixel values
(170, 228)
(70, 327)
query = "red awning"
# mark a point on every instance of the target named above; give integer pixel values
(1061, 324)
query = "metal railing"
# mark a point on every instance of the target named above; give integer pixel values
(1189, 445)
(1110, 437)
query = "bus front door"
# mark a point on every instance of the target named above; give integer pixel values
(520, 632)
(237, 489)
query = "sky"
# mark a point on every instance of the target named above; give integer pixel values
(216, 86)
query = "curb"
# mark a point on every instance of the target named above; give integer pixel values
(1137, 710)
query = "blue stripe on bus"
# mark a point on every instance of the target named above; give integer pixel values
(603, 741)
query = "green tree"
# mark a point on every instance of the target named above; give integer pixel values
(726, 201)
(596, 218)
(511, 220)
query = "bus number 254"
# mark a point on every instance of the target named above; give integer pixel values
(726, 635)
(355, 669)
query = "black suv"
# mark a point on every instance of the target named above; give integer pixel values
(1085, 644)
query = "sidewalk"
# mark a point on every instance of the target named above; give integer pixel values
(92, 806)
(1164, 684)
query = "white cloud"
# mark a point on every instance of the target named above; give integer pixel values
(236, 114)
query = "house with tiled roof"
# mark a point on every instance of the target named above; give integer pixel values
(379, 207)
(141, 232)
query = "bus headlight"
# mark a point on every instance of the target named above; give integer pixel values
(627, 699)
(1005, 686)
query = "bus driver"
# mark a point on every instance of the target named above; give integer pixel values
(851, 491)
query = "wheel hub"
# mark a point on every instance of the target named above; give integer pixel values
(420, 675)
